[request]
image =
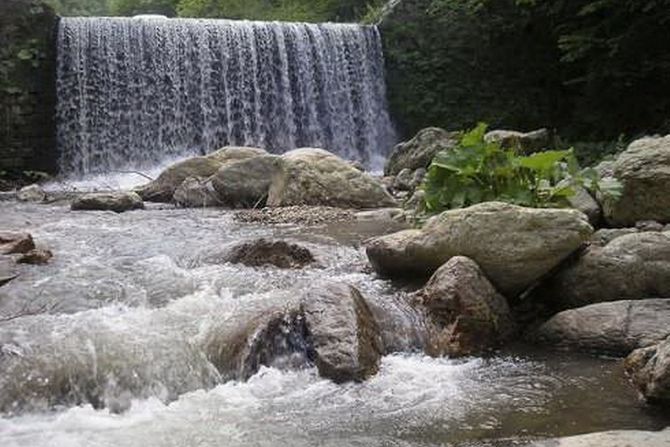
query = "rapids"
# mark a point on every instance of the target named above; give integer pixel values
(135, 303)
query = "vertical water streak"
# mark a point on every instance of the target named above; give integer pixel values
(133, 92)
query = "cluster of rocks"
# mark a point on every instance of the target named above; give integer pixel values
(499, 269)
(331, 325)
(251, 178)
(19, 248)
(239, 177)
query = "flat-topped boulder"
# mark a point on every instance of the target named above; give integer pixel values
(467, 314)
(118, 202)
(629, 267)
(614, 328)
(163, 188)
(311, 176)
(644, 171)
(514, 246)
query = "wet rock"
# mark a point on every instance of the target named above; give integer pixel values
(343, 333)
(644, 171)
(526, 143)
(611, 439)
(649, 370)
(246, 183)
(514, 246)
(420, 150)
(262, 252)
(317, 177)
(163, 188)
(32, 193)
(118, 202)
(630, 267)
(15, 242)
(614, 328)
(274, 338)
(467, 313)
(35, 257)
(303, 215)
(196, 193)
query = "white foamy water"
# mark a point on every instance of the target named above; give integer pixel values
(134, 92)
(138, 306)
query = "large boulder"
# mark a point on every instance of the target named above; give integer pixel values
(246, 183)
(649, 370)
(107, 201)
(343, 333)
(630, 267)
(644, 171)
(514, 246)
(419, 151)
(466, 312)
(623, 438)
(262, 252)
(524, 142)
(316, 177)
(616, 328)
(163, 188)
(195, 192)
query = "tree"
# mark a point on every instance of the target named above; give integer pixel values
(135, 7)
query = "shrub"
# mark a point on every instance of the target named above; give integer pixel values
(479, 171)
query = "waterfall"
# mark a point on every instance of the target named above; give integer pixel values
(135, 91)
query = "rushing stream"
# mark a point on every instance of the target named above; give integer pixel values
(135, 302)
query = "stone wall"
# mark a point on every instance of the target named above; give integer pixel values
(28, 30)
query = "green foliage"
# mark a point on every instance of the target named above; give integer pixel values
(135, 7)
(293, 10)
(477, 171)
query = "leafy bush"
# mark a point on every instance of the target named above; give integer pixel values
(478, 171)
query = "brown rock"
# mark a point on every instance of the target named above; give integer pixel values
(467, 313)
(15, 242)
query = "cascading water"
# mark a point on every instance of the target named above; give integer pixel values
(133, 92)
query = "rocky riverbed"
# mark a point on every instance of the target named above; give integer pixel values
(138, 304)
